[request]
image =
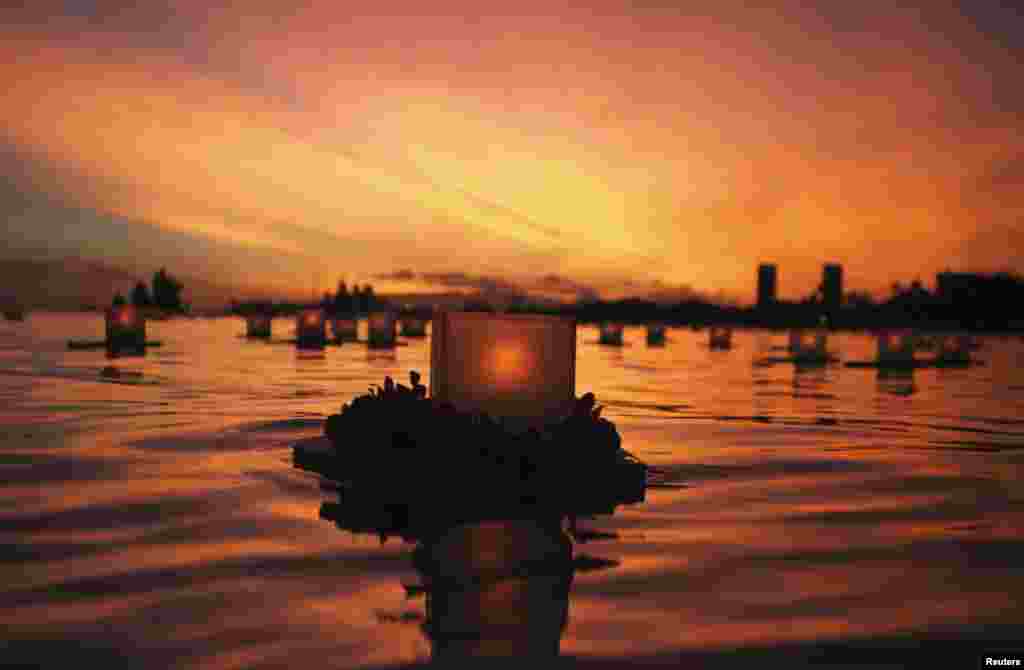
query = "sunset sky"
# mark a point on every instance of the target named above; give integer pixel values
(559, 146)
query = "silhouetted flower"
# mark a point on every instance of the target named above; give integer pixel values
(395, 425)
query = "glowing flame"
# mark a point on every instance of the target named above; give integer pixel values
(510, 363)
(125, 317)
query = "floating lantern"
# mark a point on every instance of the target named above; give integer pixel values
(125, 329)
(655, 334)
(520, 367)
(796, 341)
(898, 349)
(928, 343)
(414, 327)
(343, 330)
(381, 329)
(257, 325)
(310, 329)
(820, 342)
(720, 338)
(953, 350)
(611, 333)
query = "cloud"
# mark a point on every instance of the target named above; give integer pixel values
(397, 275)
(1002, 180)
(565, 286)
(486, 285)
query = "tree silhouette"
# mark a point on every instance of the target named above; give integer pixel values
(140, 295)
(342, 300)
(167, 291)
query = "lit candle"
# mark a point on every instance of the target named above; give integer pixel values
(520, 367)
(611, 333)
(414, 327)
(125, 328)
(310, 328)
(720, 338)
(258, 325)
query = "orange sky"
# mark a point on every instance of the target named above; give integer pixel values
(634, 143)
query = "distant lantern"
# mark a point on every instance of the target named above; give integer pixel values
(257, 325)
(820, 343)
(896, 349)
(796, 341)
(381, 332)
(655, 334)
(343, 330)
(517, 367)
(821, 338)
(720, 337)
(954, 349)
(310, 328)
(414, 327)
(125, 329)
(611, 333)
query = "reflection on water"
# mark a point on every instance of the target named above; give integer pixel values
(381, 356)
(895, 381)
(496, 588)
(155, 519)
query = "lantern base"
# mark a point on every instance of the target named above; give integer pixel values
(655, 339)
(914, 364)
(315, 342)
(412, 498)
(377, 342)
(395, 448)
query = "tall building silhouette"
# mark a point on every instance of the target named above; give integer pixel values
(767, 274)
(832, 286)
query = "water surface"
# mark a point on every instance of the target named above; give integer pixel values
(154, 517)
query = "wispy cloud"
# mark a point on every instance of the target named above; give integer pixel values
(397, 275)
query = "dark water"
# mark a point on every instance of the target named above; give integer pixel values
(153, 519)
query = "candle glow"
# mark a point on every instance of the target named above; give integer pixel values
(520, 367)
(510, 365)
